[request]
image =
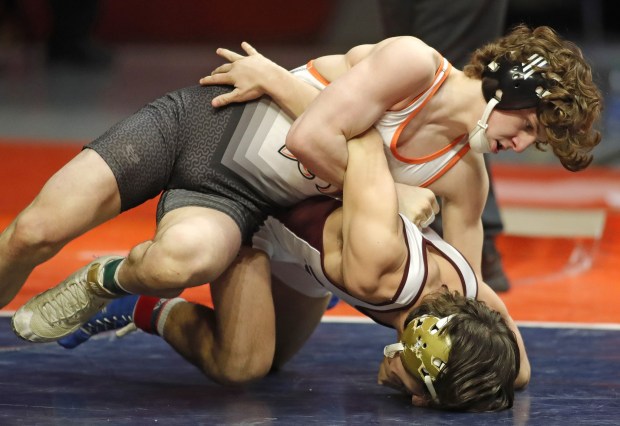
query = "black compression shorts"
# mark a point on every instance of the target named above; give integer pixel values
(175, 145)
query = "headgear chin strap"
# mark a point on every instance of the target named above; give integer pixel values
(423, 349)
(478, 138)
(508, 86)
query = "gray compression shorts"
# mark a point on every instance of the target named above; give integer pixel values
(175, 145)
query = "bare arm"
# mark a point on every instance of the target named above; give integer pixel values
(373, 243)
(488, 296)
(464, 190)
(387, 74)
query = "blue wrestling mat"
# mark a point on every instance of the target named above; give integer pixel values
(139, 380)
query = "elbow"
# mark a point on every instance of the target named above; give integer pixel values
(523, 378)
(297, 139)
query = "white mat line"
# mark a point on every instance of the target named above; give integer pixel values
(587, 326)
(529, 324)
(553, 222)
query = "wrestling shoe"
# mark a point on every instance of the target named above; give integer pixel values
(333, 301)
(63, 309)
(117, 315)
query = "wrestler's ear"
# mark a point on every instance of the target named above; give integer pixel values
(420, 400)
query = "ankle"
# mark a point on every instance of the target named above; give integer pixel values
(151, 313)
(109, 280)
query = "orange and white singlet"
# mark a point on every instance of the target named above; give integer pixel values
(412, 171)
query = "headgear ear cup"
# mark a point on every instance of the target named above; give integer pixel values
(424, 349)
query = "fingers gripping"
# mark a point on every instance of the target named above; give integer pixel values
(426, 223)
(226, 98)
(241, 72)
(434, 205)
(222, 69)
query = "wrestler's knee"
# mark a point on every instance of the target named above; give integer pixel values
(34, 230)
(182, 258)
(241, 369)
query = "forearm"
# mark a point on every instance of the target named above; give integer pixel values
(371, 229)
(464, 232)
(469, 243)
(525, 370)
(493, 301)
(327, 160)
(290, 93)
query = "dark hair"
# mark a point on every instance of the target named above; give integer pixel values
(574, 104)
(484, 359)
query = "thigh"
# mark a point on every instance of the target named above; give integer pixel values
(141, 151)
(80, 196)
(297, 315)
(243, 304)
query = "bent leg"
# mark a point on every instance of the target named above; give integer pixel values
(297, 316)
(258, 323)
(235, 342)
(80, 196)
(192, 246)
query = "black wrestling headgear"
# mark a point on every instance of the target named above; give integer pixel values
(508, 86)
(515, 85)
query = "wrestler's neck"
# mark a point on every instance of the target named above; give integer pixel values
(452, 112)
(459, 102)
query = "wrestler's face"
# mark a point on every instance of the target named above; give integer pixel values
(514, 130)
(392, 373)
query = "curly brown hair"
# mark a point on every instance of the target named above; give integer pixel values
(484, 358)
(574, 104)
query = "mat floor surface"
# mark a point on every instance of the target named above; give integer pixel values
(140, 380)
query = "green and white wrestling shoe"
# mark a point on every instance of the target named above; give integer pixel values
(63, 309)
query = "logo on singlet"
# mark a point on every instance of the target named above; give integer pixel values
(307, 174)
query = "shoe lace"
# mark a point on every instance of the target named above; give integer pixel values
(105, 323)
(66, 303)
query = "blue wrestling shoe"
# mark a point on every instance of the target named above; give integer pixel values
(332, 302)
(117, 315)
